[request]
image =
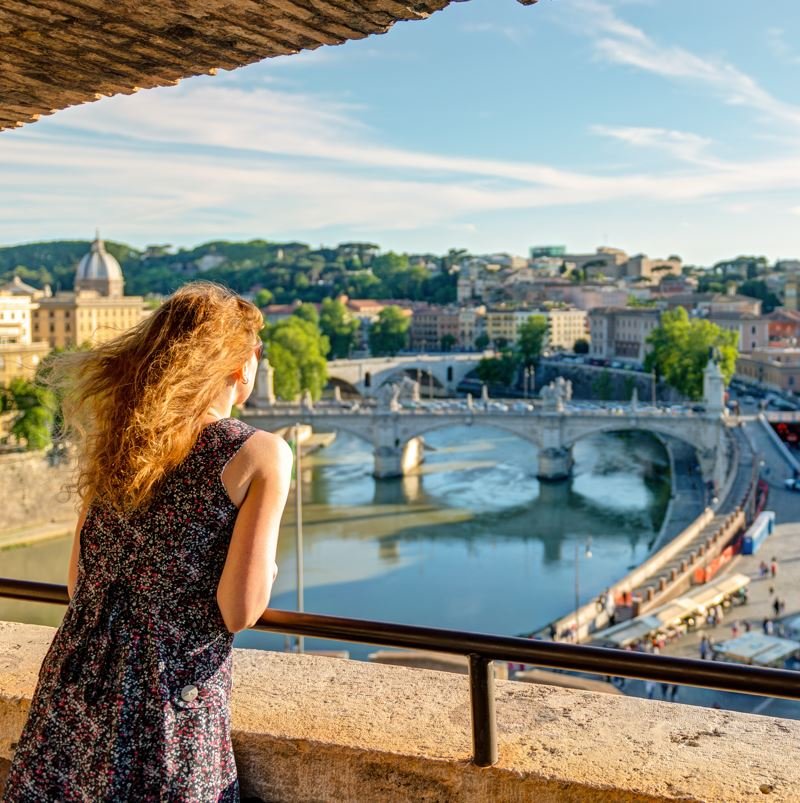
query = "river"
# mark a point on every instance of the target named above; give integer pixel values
(471, 540)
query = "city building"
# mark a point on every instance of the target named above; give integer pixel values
(713, 303)
(774, 368)
(435, 327)
(20, 354)
(752, 330)
(621, 332)
(614, 263)
(96, 311)
(548, 251)
(784, 327)
(564, 325)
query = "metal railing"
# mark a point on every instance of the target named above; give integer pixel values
(481, 649)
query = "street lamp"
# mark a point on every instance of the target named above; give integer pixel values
(587, 553)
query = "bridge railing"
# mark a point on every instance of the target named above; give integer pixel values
(481, 649)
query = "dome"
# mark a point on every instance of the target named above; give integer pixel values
(98, 264)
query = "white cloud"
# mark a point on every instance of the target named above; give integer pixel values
(619, 42)
(682, 145)
(776, 41)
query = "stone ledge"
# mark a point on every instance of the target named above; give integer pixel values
(310, 728)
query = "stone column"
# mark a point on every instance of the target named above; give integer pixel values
(263, 392)
(555, 464)
(713, 389)
(394, 454)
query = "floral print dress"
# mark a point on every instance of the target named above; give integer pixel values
(132, 702)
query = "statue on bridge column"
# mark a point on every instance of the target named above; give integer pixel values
(263, 392)
(556, 393)
(714, 384)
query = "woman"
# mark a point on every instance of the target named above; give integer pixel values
(174, 552)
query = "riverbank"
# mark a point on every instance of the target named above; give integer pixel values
(35, 533)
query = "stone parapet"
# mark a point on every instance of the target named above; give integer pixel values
(311, 728)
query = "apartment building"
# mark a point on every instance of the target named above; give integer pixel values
(622, 332)
(752, 330)
(20, 353)
(775, 368)
(565, 325)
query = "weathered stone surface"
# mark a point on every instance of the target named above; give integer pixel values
(58, 53)
(309, 728)
(31, 489)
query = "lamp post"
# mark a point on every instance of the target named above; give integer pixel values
(653, 387)
(298, 490)
(587, 554)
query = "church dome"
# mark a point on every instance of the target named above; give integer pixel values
(98, 264)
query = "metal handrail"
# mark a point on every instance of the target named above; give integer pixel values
(481, 649)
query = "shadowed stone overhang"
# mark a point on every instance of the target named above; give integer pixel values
(59, 53)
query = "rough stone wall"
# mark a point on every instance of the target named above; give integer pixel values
(585, 380)
(31, 490)
(312, 728)
(55, 53)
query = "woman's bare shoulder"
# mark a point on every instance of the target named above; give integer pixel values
(265, 453)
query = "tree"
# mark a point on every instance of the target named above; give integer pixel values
(307, 312)
(581, 346)
(481, 341)
(263, 298)
(389, 333)
(339, 326)
(531, 339)
(681, 348)
(34, 408)
(296, 350)
(603, 387)
(447, 342)
(757, 288)
(498, 370)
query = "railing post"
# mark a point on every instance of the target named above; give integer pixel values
(484, 723)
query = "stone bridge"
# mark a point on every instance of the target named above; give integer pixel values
(393, 432)
(441, 371)
(553, 426)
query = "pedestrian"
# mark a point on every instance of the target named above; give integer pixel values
(704, 648)
(776, 606)
(735, 629)
(763, 569)
(782, 606)
(674, 692)
(773, 567)
(746, 626)
(174, 552)
(769, 627)
(553, 632)
(650, 689)
(664, 690)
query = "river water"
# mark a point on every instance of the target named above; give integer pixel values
(471, 540)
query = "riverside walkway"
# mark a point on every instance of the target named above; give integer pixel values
(784, 545)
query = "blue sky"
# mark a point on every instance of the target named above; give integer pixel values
(658, 126)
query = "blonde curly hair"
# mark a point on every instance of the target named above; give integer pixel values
(133, 406)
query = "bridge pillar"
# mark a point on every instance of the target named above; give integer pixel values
(395, 461)
(395, 454)
(555, 463)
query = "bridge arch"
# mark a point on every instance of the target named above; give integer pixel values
(625, 424)
(508, 426)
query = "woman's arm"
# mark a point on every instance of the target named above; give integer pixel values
(72, 571)
(250, 569)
